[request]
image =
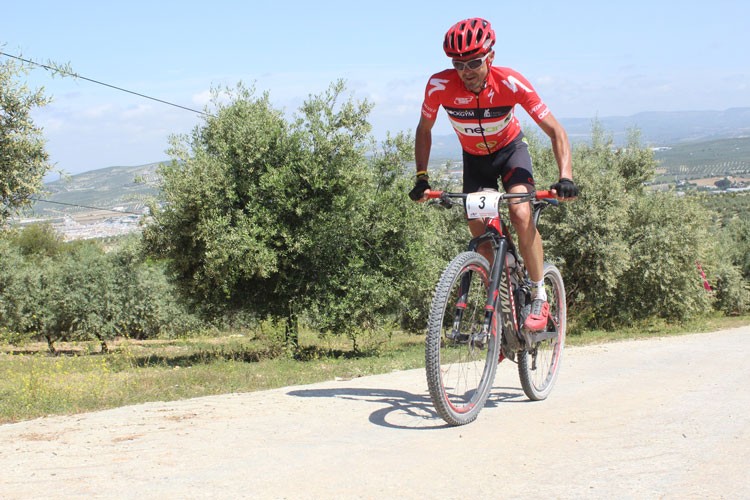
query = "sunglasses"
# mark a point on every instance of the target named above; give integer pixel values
(473, 64)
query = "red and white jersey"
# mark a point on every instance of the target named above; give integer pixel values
(484, 122)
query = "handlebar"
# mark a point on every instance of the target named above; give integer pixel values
(445, 196)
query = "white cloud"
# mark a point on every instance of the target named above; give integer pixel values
(202, 98)
(98, 111)
(139, 111)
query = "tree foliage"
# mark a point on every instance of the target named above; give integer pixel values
(296, 218)
(23, 159)
(76, 291)
(627, 254)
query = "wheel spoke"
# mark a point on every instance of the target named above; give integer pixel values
(539, 365)
(460, 357)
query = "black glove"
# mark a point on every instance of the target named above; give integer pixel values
(420, 187)
(565, 188)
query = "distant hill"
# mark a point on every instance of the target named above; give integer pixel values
(657, 128)
(706, 159)
(700, 141)
(668, 128)
(122, 188)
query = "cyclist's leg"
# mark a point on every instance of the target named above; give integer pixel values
(529, 239)
(477, 228)
(517, 176)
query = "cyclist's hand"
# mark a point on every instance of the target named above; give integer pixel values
(565, 189)
(422, 185)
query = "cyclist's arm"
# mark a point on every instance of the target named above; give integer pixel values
(423, 143)
(560, 144)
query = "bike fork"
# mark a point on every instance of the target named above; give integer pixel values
(478, 339)
(460, 307)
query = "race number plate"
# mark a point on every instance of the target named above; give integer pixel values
(482, 204)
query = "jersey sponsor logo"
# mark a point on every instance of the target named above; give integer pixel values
(486, 128)
(488, 146)
(513, 83)
(461, 113)
(543, 113)
(436, 84)
(477, 113)
(463, 101)
(491, 95)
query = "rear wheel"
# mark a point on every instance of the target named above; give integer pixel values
(539, 365)
(460, 358)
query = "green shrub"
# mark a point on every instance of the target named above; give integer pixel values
(627, 254)
(80, 292)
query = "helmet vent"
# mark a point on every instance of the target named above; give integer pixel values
(469, 37)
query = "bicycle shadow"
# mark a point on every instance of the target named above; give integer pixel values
(402, 409)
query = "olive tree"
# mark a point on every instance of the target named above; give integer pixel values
(627, 254)
(295, 218)
(23, 159)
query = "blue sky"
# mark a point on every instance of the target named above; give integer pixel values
(585, 58)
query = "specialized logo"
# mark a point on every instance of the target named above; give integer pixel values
(436, 84)
(491, 95)
(513, 83)
(506, 307)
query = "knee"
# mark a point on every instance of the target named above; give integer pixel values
(520, 217)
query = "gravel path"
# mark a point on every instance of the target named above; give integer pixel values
(659, 418)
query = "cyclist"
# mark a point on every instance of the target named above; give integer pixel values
(479, 99)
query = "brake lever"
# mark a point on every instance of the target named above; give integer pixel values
(446, 201)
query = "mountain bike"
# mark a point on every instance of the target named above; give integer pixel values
(478, 310)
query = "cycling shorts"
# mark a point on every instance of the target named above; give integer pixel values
(511, 164)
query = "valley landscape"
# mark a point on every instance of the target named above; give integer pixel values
(696, 151)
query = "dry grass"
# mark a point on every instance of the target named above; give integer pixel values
(34, 383)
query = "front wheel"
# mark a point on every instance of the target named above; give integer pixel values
(461, 354)
(539, 364)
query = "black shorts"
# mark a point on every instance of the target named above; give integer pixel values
(511, 164)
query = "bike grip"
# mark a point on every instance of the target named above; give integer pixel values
(545, 195)
(433, 195)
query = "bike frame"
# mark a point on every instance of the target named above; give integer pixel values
(497, 234)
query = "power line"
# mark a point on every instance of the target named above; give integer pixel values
(85, 206)
(76, 75)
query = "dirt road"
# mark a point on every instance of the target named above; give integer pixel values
(662, 418)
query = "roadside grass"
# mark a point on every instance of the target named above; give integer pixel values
(657, 328)
(35, 384)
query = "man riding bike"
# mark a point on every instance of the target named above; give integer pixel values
(479, 100)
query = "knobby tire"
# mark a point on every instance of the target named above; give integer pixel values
(539, 365)
(461, 371)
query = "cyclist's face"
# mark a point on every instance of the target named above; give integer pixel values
(474, 78)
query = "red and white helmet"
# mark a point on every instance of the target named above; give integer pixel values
(469, 37)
